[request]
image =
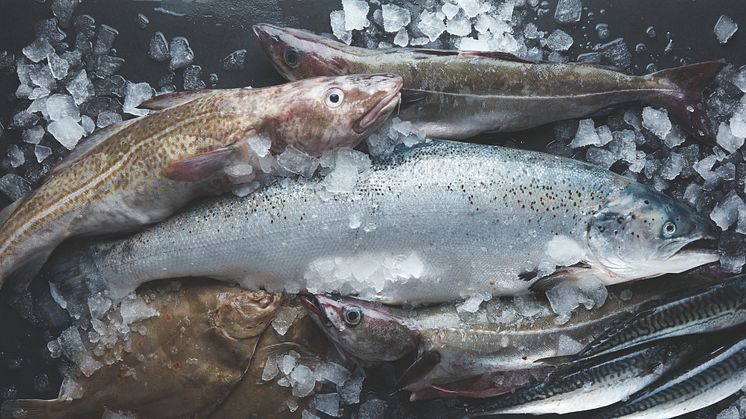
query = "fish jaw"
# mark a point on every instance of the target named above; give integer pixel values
(378, 113)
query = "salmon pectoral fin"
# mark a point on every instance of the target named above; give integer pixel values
(32, 409)
(560, 275)
(686, 104)
(199, 166)
(170, 100)
(419, 369)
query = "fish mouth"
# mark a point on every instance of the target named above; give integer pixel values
(383, 107)
(703, 246)
(265, 32)
(311, 304)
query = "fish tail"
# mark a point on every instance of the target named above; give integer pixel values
(76, 277)
(686, 104)
(32, 409)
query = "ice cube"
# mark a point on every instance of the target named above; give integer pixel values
(288, 361)
(732, 251)
(633, 119)
(559, 40)
(158, 47)
(337, 21)
(674, 138)
(431, 25)
(136, 94)
(739, 78)
(332, 372)
(727, 140)
(107, 118)
(351, 389)
(565, 297)
(656, 121)
(98, 305)
(568, 346)
(193, 78)
(57, 66)
(270, 370)
(42, 76)
(616, 52)
(302, 380)
(235, 60)
(181, 54)
(600, 157)
(240, 173)
(459, 26)
(328, 403)
(726, 212)
(402, 38)
(585, 135)
(80, 87)
(471, 304)
(62, 106)
(450, 10)
(471, 44)
(395, 17)
(298, 162)
(66, 131)
(63, 10)
(725, 27)
(568, 11)
(15, 156)
(41, 152)
(72, 346)
(33, 135)
(142, 21)
(106, 65)
(673, 166)
(470, 7)
(356, 14)
(48, 28)
(372, 409)
(285, 318)
(308, 415)
(348, 164)
(87, 123)
(14, 186)
(105, 37)
(23, 120)
(38, 50)
(730, 413)
(133, 308)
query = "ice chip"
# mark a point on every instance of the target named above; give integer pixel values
(193, 78)
(235, 60)
(568, 346)
(470, 7)
(459, 26)
(730, 413)
(136, 94)
(41, 152)
(38, 50)
(395, 17)
(674, 138)
(656, 121)
(356, 14)
(14, 186)
(328, 403)
(350, 390)
(302, 380)
(285, 318)
(106, 65)
(23, 120)
(337, 21)
(57, 66)
(181, 54)
(270, 370)
(586, 135)
(297, 162)
(105, 37)
(158, 48)
(42, 76)
(66, 131)
(725, 27)
(559, 40)
(107, 118)
(616, 52)
(87, 123)
(288, 362)
(450, 10)
(332, 372)
(726, 212)
(305, 414)
(471, 304)
(63, 10)
(33, 135)
(142, 21)
(565, 297)
(727, 140)
(402, 38)
(600, 157)
(431, 25)
(672, 166)
(98, 305)
(15, 156)
(739, 78)
(72, 347)
(133, 308)
(80, 87)
(568, 11)
(372, 409)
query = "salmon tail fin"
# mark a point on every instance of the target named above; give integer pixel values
(686, 105)
(31, 409)
(75, 278)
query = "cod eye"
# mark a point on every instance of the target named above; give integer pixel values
(292, 57)
(334, 97)
(669, 229)
(353, 315)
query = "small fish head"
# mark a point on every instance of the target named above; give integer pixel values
(361, 329)
(299, 54)
(244, 314)
(327, 113)
(643, 233)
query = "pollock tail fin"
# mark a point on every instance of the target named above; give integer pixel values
(32, 409)
(686, 104)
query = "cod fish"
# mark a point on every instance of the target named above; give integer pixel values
(715, 378)
(589, 386)
(504, 338)
(715, 308)
(188, 360)
(140, 171)
(459, 94)
(433, 223)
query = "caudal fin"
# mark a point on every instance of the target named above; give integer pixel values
(75, 276)
(32, 409)
(686, 104)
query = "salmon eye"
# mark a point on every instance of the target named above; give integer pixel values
(353, 315)
(292, 57)
(669, 229)
(334, 97)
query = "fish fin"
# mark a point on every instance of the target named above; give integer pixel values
(9, 210)
(170, 100)
(563, 274)
(528, 275)
(410, 96)
(199, 166)
(22, 276)
(691, 81)
(424, 363)
(556, 360)
(32, 409)
(76, 277)
(479, 54)
(88, 144)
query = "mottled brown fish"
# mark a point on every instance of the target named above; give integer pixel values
(459, 94)
(185, 364)
(142, 170)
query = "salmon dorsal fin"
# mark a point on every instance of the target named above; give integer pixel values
(88, 144)
(170, 100)
(497, 55)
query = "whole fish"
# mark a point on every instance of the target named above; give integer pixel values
(459, 94)
(589, 386)
(188, 360)
(140, 171)
(449, 352)
(433, 223)
(717, 307)
(722, 374)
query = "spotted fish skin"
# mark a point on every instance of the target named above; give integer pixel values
(120, 181)
(466, 218)
(712, 380)
(718, 307)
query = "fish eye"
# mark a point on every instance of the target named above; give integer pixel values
(292, 57)
(353, 315)
(334, 97)
(669, 229)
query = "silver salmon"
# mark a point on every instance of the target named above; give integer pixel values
(459, 94)
(142, 170)
(433, 223)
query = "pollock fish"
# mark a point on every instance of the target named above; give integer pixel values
(192, 355)
(459, 94)
(433, 223)
(589, 386)
(717, 307)
(722, 374)
(450, 353)
(140, 171)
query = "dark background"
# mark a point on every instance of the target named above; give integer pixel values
(218, 27)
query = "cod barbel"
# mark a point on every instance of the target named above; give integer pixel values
(142, 170)
(459, 94)
(433, 223)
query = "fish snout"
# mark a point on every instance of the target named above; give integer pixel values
(264, 32)
(389, 90)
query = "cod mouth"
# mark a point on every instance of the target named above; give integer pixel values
(384, 106)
